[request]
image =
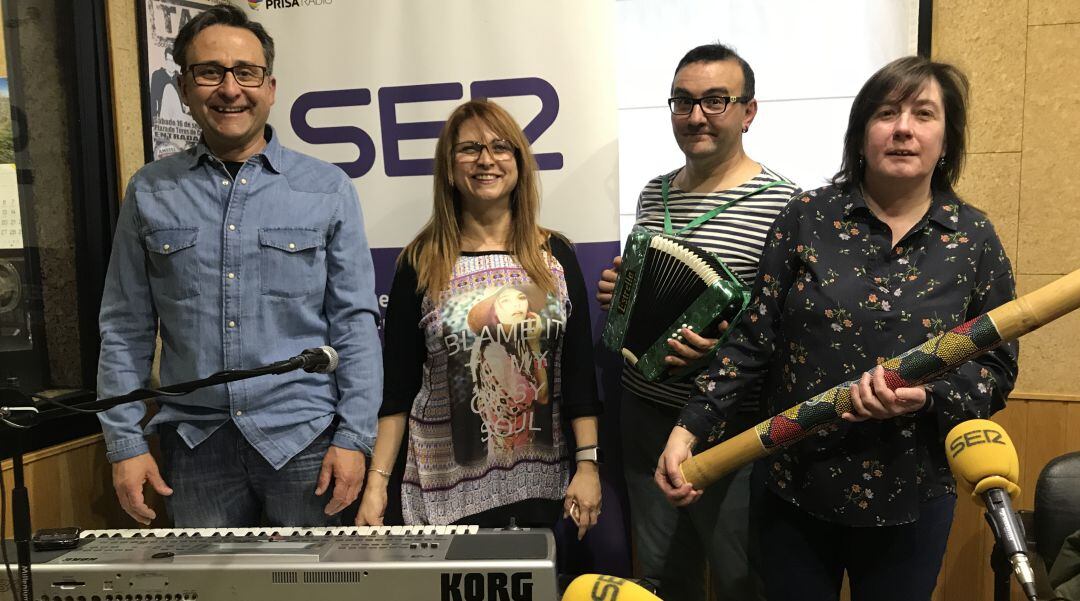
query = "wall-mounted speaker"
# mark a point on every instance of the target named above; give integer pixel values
(14, 305)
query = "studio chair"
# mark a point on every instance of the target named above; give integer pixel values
(1056, 512)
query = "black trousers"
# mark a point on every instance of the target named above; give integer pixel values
(805, 557)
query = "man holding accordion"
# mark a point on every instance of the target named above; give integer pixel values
(723, 202)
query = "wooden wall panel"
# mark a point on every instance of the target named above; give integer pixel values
(1046, 438)
(71, 485)
(1072, 417)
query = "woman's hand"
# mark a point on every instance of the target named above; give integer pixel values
(872, 399)
(668, 476)
(582, 502)
(373, 502)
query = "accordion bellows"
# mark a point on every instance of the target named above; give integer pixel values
(666, 284)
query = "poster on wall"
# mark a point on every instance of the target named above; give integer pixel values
(168, 127)
(14, 318)
(10, 215)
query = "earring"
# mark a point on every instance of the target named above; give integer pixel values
(941, 162)
(745, 128)
(862, 161)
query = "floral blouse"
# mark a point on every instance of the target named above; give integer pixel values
(833, 298)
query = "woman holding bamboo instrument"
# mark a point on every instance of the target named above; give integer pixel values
(855, 273)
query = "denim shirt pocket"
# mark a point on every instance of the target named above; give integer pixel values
(173, 262)
(292, 262)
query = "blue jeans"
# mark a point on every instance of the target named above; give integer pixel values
(673, 544)
(805, 558)
(224, 482)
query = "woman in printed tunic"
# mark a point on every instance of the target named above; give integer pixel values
(487, 348)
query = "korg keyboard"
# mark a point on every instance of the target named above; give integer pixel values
(399, 563)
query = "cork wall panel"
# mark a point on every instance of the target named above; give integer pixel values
(991, 182)
(1053, 12)
(986, 39)
(3, 50)
(1049, 358)
(1050, 179)
(127, 97)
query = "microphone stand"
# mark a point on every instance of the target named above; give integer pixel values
(12, 401)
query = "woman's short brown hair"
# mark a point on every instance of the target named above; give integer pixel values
(897, 81)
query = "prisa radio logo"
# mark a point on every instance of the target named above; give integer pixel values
(254, 4)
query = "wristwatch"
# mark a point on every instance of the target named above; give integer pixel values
(589, 453)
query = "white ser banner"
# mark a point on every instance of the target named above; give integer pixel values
(367, 84)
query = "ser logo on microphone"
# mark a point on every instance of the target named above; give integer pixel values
(490, 586)
(606, 588)
(973, 438)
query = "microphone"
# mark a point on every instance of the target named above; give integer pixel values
(320, 360)
(595, 587)
(983, 459)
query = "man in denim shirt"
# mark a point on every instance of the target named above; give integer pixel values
(239, 252)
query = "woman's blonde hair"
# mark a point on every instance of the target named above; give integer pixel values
(438, 245)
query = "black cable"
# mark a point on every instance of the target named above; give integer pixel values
(57, 401)
(70, 408)
(3, 544)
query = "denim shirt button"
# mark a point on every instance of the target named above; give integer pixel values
(239, 413)
(166, 248)
(232, 228)
(232, 324)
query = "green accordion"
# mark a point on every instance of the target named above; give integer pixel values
(666, 284)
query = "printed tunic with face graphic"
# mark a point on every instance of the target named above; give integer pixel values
(834, 297)
(491, 371)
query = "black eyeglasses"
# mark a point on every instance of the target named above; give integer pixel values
(710, 105)
(467, 152)
(211, 74)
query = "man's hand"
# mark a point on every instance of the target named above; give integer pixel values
(606, 286)
(693, 348)
(346, 468)
(129, 476)
(668, 476)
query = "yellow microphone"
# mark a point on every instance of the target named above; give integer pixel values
(596, 587)
(982, 457)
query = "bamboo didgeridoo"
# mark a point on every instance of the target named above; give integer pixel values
(916, 366)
